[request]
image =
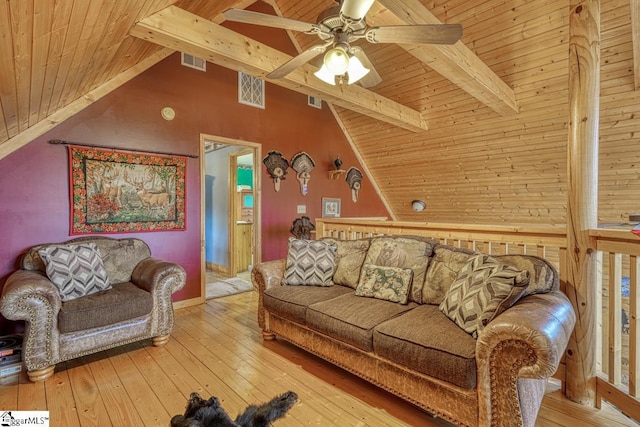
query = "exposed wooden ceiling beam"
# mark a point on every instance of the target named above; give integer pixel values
(455, 62)
(635, 36)
(180, 30)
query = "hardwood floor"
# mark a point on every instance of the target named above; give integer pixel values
(217, 349)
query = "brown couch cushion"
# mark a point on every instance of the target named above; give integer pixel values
(444, 268)
(349, 260)
(543, 276)
(351, 319)
(412, 252)
(425, 340)
(123, 301)
(291, 302)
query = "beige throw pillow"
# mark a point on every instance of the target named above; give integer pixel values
(349, 259)
(446, 263)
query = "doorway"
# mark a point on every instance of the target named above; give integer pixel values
(231, 223)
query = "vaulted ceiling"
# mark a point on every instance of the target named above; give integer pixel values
(63, 51)
(58, 57)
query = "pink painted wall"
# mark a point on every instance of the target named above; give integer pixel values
(34, 195)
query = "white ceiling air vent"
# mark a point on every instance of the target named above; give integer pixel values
(314, 101)
(194, 62)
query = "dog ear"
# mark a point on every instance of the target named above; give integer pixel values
(180, 421)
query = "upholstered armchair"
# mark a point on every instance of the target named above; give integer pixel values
(127, 298)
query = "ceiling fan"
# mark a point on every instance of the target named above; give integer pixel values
(338, 27)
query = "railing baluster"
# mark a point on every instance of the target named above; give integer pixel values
(634, 331)
(602, 321)
(615, 318)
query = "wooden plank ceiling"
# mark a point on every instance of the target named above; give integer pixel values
(506, 76)
(54, 54)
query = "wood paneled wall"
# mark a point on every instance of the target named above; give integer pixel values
(474, 165)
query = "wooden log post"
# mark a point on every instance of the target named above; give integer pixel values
(582, 194)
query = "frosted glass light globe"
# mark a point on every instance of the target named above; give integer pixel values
(337, 61)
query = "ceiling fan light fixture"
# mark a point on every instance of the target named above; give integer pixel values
(337, 60)
(325, 75)
(356, 70)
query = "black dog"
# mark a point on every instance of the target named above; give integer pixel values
(209, 413)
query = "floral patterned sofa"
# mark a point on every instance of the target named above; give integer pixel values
(468, 337)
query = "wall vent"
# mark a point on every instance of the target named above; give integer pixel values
(314, 101)
(250, 90)
(194, 62)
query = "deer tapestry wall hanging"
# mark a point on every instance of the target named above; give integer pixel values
(117, 192)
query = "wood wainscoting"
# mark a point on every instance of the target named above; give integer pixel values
(216, 349)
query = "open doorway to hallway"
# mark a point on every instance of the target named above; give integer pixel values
(231, 219)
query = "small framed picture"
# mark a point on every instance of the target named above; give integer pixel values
(330, 208)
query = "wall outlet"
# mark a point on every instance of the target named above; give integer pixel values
(302, 208)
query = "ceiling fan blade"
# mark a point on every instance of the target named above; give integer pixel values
(297, 61)
(257, 18)
(355, 10)
(415, 34)
(372, 78)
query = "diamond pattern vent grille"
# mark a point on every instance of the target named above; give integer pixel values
(250, 90)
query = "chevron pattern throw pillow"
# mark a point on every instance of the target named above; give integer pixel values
(483, 289)
(76, 270)
(309, 262)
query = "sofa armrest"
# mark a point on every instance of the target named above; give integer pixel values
(161, 279)
(527, 341)
(30, 296)
(268, 274)
(264, 276)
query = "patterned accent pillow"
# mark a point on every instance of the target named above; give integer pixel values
(76, 270)
(349, 259)
(387, 283)
(446, 263)
(309, 262)
(403, 252)
(483, 289)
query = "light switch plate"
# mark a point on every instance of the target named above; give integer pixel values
(302, 208)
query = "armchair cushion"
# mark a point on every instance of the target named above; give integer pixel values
(123, 302)
(76, 270)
